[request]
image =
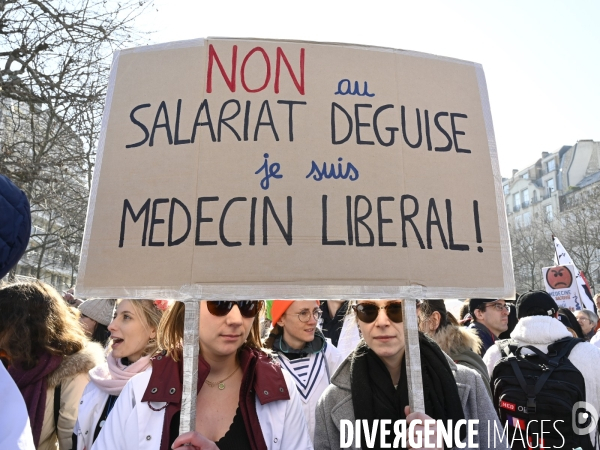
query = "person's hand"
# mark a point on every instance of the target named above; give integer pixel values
(421, 428)
(192, 440)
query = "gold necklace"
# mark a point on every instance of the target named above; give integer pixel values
(221, 383)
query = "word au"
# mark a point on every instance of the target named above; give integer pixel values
(398, 435)
(344, 88)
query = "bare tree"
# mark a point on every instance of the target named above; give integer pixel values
(577, 225)
(55, 58)
(579, 229)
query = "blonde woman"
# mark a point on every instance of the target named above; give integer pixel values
(49, 358)
(133, 342)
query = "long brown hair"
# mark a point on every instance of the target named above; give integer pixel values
(276, 331)
(34, 316)
(170, 331)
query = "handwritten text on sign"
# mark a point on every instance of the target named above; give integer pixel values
(235, 145)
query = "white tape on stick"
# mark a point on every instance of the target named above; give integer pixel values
(191, 349)
(413, 356)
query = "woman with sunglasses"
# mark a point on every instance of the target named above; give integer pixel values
(244, 400)
(372, 384)
(303, 350)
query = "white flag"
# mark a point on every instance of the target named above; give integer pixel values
(561, 258)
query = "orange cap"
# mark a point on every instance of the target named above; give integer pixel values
(279, 307)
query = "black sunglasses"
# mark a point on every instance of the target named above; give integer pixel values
(368, 312)
(248, 308)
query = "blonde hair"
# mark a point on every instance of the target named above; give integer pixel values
(151, 317)
(170, 331)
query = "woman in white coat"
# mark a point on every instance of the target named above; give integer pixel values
(244, 400)
(303, 350)
(133, 341)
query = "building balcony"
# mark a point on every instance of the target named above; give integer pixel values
(516, 208)
(525, 204)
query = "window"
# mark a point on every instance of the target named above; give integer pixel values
(526, 176)
(517, 198)
(549, 212)
(527, 219)
(506, 189)
(525, 195)
(550, 184)
(551, 166)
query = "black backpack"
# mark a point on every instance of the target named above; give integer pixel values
(529, 389)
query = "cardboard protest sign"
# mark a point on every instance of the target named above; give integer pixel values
(275, 169)
(561, 284)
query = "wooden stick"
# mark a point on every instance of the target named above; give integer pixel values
(191, 349)
(413, 356)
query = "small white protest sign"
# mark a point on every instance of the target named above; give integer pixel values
(561, 284)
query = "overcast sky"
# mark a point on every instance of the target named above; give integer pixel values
(541, 58)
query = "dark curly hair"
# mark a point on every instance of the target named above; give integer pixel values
(35, 318)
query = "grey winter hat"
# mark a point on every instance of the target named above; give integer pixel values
(98, 309)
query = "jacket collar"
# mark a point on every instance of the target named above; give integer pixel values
(483, 329)
(453, 339)
(317, 345)
(539, 330)
(341, 378)
(83, 361)
(165, 383)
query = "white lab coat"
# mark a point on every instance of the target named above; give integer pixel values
(321, 367)
(133, 425)
(91, 405)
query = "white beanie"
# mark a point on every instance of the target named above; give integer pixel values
(99, 309)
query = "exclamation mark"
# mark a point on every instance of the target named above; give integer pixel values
(477, 230)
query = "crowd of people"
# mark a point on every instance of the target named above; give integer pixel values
(108, 373)
(284, 374)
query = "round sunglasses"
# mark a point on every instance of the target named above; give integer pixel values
(248, 308)
(368, 312)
